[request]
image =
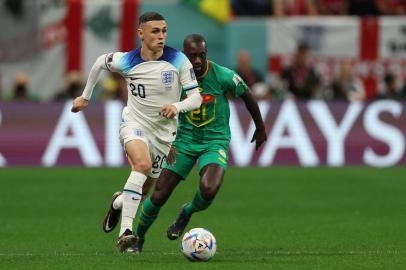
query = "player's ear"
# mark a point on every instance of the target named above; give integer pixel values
(140, 33)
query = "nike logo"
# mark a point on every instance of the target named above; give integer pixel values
(135, 199)
(133, 78)
(155, 171)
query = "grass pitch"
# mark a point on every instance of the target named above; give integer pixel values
(273, 218)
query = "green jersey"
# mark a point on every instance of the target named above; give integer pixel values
(211, 121)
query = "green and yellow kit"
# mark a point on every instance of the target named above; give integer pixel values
(203, 135)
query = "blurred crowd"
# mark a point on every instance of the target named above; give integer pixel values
(297, 80)
(111, 87)
(300, 80)
(318, 7)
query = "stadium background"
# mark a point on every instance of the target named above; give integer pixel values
(303, 218)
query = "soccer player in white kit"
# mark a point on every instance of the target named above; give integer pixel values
(156, 75)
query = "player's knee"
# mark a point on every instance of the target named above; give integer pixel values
(143, 166)
(158, 198)
(207, 190)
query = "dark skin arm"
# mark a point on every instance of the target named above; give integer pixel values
(252, 106)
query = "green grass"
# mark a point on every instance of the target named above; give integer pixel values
(274, 218)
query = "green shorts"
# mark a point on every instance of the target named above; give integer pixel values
(208, 153)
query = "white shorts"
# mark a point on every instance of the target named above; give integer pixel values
(158, 150)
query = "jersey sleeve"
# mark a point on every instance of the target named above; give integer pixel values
(115, 62)
(235, 84)
(187, 76)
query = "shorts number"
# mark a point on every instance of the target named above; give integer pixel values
(158, 162)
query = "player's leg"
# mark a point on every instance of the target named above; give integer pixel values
(148, 185)
(212, 165)
(164, 186)
(211, 178)
(166, 183)
(113, 215)
(140, 161)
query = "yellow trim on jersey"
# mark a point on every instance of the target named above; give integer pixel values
(206, 71)
(206, 122)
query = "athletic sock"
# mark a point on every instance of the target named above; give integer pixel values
(118, 202)
(132, 194)
(198, 204)
(149, 212)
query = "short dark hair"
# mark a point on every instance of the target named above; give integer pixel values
(194, 38)
(150, 16)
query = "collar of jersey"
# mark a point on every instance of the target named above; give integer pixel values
(163, 57)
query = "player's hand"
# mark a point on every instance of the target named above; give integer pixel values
(171, 159)
(79, 104)
(169, 111)
(259, 137)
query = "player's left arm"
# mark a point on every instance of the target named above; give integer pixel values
(252, 106)
(193, 101)
(240, 89)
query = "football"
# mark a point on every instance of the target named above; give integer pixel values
(198, 244)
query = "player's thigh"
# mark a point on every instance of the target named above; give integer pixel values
(138, 155)
(136, 145)
(183, 164)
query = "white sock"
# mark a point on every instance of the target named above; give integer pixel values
(118, 202)
(132, 195)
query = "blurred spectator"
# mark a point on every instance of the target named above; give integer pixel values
(294, 7)
(73, 86)
(20, 91)
(391, 7)
(331, 7)
(301, 79)
(362, 7)
(391, 89)
(114, 88)
(245, 70)
(251, 7)
(261, 91)
(348, 86)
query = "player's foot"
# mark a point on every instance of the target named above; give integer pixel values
(126, 240)
(137, 247)
(113, 216)
(178, 226)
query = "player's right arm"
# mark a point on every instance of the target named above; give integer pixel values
(103, 62)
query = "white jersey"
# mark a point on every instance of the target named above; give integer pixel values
(152, 84)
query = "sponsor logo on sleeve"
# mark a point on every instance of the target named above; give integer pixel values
(237, 79)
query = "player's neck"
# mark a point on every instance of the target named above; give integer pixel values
(149, 55)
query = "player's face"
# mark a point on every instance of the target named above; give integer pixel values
(153, 35)
(197, 54)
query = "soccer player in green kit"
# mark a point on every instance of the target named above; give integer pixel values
(203, 136)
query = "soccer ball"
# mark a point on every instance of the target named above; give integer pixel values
(198, 244)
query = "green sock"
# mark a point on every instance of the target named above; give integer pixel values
(198, 204)
(149, 212)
